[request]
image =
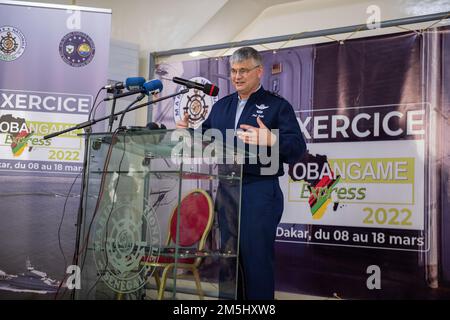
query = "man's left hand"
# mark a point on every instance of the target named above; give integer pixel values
(261, 136)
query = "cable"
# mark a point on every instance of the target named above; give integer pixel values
(62, 219)
(139, 98)
(59, 236)
(95, 100)
(100, 196)
(95, 109)
(109, 216)
(436, 22)
(67, 197)
(78, 251)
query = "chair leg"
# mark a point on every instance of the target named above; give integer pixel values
(162, 287)
(197, 282)
(157, 279)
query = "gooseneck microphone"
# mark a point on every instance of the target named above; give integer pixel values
(207, 88)
(116, 86)
(134, 83)
(154, 86)
(138, 86)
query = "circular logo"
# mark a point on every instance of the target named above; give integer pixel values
(12, 43)
(196, 104)
(125, 236)
(77, 49)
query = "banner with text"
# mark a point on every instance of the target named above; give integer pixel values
(365, 168)
(360, 196)
(52, 62)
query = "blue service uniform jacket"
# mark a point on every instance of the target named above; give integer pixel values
(275, 112)
(262, 198)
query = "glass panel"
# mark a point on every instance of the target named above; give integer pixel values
(156, 226)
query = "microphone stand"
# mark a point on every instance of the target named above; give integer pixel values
(89, 123)
(113, 109)
(139, 98)
(87, 127)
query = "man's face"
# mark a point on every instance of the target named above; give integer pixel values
(246, 76)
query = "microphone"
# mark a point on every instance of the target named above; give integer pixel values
(207, 88)
(153, 86)
(150, 87)
(134, 83)
(117, 86)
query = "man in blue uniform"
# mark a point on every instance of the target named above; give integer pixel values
(253, 112)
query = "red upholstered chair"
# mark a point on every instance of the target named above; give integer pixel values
(196, 216)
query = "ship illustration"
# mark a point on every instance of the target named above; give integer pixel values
(31, 281)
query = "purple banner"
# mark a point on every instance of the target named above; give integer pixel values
(52, 62)
(359, 200)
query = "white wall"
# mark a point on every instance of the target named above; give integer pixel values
(293, 17)
(155, 25)
(123, 60)
(311, 15)
(123, 63)
(230, 20)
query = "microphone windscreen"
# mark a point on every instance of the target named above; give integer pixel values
(153, 86)
(152, 126)
(210, 89)
(155, 138)
(134, 83)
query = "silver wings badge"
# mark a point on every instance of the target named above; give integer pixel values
(262, 107)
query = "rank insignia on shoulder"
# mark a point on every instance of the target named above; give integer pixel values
(276, 94)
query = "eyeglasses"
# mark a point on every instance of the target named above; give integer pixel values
(243, 71)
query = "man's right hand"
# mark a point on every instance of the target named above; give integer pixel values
(184, 123)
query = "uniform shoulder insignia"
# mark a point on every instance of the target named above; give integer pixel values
(273, 93)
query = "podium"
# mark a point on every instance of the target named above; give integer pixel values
(160, 216)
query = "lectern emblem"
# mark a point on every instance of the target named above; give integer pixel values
(196, 104)
(124, 236)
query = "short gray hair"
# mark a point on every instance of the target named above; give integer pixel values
(245, 53)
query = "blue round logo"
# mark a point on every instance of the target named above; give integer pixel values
(77, 49)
